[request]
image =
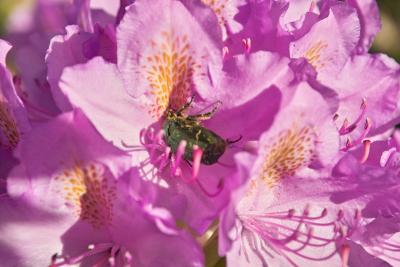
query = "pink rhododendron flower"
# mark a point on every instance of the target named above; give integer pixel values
(157, 84)
(301, 14)
(372, 191)
(287, 169)
(328, 53)
(81, 188)
(140, 133)
(73, 48)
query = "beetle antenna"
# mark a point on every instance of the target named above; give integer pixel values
(234, 141)
(186, 106)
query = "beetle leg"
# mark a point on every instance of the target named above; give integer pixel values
(186, 106)
(197, 136)
(168, 131)
(207, 115)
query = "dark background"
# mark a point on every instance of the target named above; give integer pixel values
(388, 40)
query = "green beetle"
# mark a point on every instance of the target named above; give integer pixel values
(178, 127)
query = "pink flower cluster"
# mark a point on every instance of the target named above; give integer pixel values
(132, 131)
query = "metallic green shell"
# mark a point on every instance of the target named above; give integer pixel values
(180, 128)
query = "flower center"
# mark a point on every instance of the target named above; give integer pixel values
(169, 71)
(292, 150)
(90, 190)
(163, 163)
(9, 136)
(313, 54)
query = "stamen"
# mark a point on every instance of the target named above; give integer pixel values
(128, 257)
(247, 44)
(346, 128)
(390, 246)
(357, 215)
(345, 254)
(111, 261)
(225, 52)
(290, 213)
(160, 137)
(114, 251)
(324, 212)
(197, 154)
(367, 128)
(335, 117)
(307, 242)
(244, 248)
(340, 215)
(363, 103)
(157, 139)
(132, 148)
(367, 148)
(179, 155)
(343, 231)
(253, 245)
(142, 136)
(360, 139)
(164, 158)
(349, 144)
(54, 258)
(281, 238)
